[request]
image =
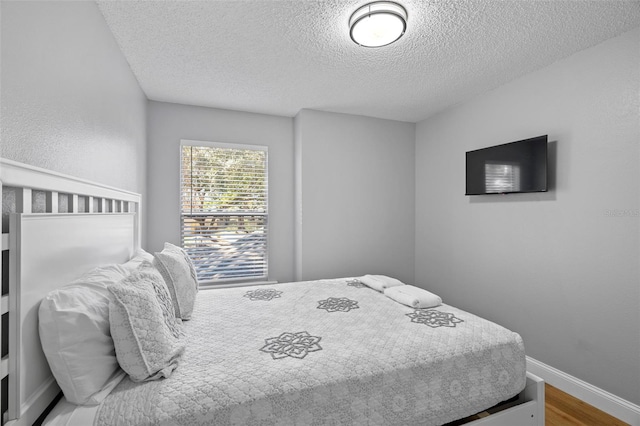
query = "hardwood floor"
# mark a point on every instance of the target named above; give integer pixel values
(561, 409)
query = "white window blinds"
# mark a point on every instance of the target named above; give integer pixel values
(224, 210)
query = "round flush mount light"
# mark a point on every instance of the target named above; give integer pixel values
(378, 24)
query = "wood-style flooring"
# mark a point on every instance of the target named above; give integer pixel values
(562, 409)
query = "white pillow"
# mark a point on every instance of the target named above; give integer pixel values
(415, 297)
(146, 347)
(176, 249)
(180, 277)
(380, 282)
(138, 257)
(76, 339)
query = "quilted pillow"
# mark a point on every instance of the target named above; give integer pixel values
(74, 332)
(180, 277)
(147, 346)
(147, 272)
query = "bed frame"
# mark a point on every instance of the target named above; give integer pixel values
(58, 228)
(87, 225)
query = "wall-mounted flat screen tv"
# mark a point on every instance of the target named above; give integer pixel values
(509, 168)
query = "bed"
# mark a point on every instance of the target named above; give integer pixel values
(320, 352)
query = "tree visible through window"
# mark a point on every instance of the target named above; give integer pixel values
(224, 210)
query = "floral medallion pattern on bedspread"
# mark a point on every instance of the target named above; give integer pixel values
(296, 345)
(338, 304)
(265, 294)
(372, 365)
(434, 318)
(355, 283)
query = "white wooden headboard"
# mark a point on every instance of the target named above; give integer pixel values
(59, 227)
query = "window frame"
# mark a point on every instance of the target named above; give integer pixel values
(225, 145)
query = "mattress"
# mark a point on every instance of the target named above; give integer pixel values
(325, 352)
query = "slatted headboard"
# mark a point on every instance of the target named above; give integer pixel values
(54, 228)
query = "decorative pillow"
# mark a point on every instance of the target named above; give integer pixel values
(138, 257)
(180, 277)
(148, 273)
(146, 347)
(75, 336)
(176, 249)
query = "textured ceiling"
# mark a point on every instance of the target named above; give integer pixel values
(277, 57)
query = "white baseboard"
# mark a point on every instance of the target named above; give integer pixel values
(592, 395)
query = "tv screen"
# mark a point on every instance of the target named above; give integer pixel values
(509, 168)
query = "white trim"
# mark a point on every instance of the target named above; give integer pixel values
(224, 145)
(592, 395)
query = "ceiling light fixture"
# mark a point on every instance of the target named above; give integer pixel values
(378, 24)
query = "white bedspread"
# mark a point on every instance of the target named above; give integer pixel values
(325, 352)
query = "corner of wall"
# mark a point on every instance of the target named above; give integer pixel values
(297, 202)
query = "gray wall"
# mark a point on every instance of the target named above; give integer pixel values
(354, 196)
(169, 123)
(561, 268)
(70, 102)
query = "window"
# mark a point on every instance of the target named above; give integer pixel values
(224, 210)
